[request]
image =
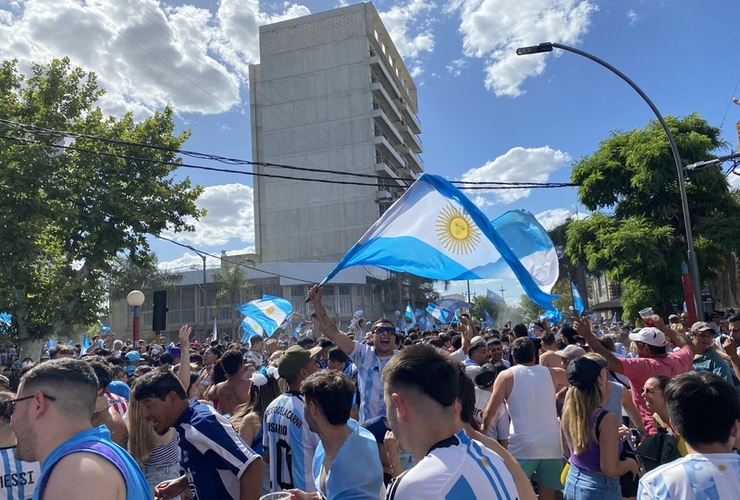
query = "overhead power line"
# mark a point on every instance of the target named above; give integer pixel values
(380, 180)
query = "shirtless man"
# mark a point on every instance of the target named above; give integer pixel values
(235, 390)
(104, 413)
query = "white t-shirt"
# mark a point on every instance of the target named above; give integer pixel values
(500, 427)
(694, 477)
(18, 479)
(455, 468)
(289, 443)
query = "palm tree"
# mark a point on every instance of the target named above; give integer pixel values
(234, 287)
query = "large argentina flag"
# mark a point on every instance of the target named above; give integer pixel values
(435, 231)
(532, 246)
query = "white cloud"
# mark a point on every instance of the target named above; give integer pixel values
(230, 216)
(518, 165)
(194, 261)
(148, 53)
(455, 67)
(493, 29)
(410, 30)
(734, 181)
(632, 16)
(550, 219)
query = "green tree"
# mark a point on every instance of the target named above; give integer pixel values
(130, 273)
(65, 216)
(420, 291)
(234, 287)
(636, 235)
(528, 309)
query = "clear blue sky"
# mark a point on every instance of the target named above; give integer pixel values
(486, 113)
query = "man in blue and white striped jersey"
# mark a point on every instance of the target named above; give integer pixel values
(369, 359)
(217, 462)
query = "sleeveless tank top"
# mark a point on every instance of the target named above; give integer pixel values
(534, 422)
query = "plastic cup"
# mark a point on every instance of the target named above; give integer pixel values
(278, 495)
(647, 316)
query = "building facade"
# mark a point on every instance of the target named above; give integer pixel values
(331, 92)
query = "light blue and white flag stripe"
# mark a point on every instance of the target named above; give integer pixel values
(270, 312)
(426, 322)
(488, 320)
(531, 244)
(410, 314)
(577, 300)
(456, 317)
(438, 313)
(435, 231)
(494, 298)
(251, 328)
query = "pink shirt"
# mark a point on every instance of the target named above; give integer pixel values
(638, 370)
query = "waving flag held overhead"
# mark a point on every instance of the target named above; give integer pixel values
(493, 297)
(552, 315)
(531, 244)
(251, 328)
(452, 304)
(456, 317)
(6, 320)
(435, 231)
(85, 343)
(269, 313)
(410, 315)
(577, 300)
(438, 313)
(488, 323)
(426, 322)
(214, 333)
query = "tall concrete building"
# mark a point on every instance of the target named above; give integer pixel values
(331, 92)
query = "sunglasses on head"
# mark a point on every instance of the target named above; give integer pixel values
(385, 329)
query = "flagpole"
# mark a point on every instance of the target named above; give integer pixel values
(468, 281)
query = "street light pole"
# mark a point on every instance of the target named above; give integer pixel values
(135, 299)
(203, 288)
(693, 262)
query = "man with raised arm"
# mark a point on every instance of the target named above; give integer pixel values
(369, 359)
(653, 359)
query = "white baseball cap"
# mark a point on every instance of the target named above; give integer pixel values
(649, 335)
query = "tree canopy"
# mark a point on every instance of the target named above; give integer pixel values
(65, 214)
(636, 235)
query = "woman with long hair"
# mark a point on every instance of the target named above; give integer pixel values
(248, 418)
(590, 436)
(158, 456)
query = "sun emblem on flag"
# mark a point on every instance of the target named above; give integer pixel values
(456, 231)
(270, 309)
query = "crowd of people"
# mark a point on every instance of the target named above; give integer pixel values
(576, 410)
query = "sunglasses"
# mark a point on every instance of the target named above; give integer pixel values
(389, 330)
(9, 406)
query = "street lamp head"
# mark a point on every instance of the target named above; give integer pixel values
(534, 49)
(135, 298)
